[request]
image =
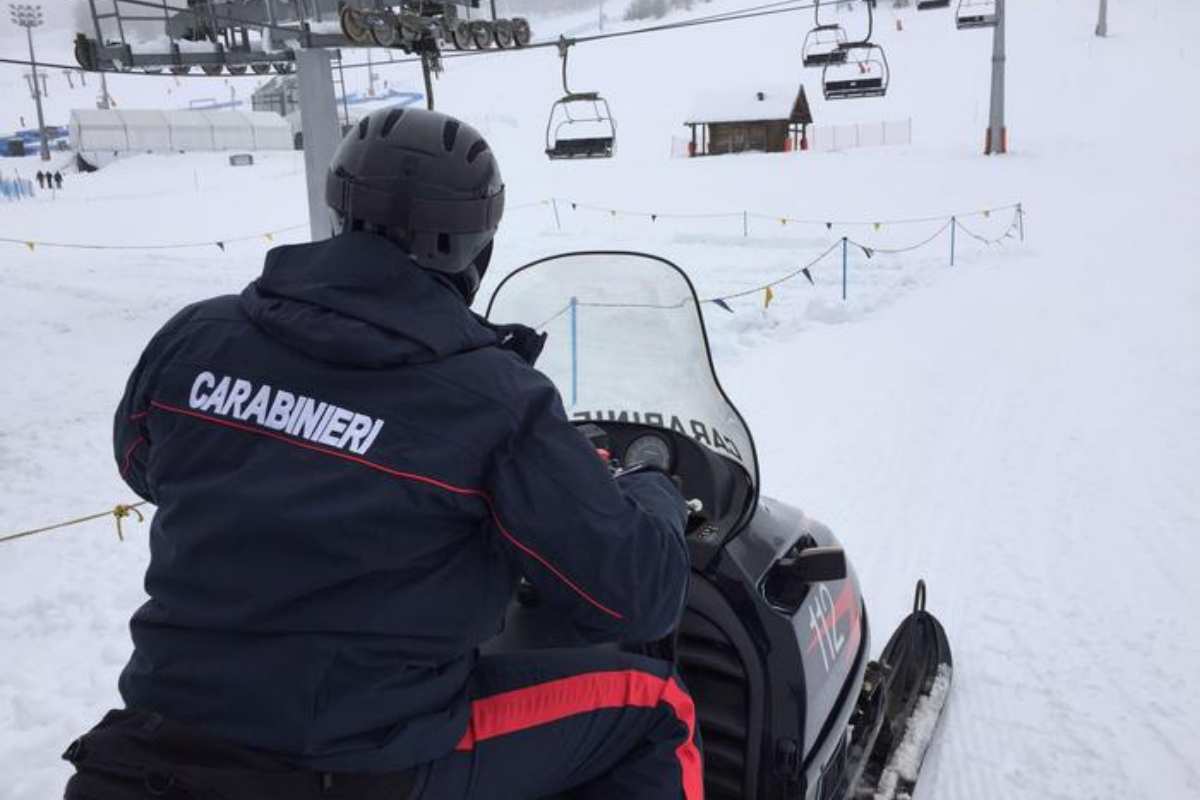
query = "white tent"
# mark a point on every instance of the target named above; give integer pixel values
(96, 130)
(147, 131)
(231, 130)
(271, 131)
(151, 131)
(190, 130)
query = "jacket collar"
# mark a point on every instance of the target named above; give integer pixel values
(358, 299)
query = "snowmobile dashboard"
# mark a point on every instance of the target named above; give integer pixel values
(719, 483)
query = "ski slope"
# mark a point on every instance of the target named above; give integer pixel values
(1022, 429)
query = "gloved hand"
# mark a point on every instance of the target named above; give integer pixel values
(695, 506)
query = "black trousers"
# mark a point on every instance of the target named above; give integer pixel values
(600, 724)
(586, 724)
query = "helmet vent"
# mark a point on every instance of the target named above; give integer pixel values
(362, 127)
(476, 150)
(449, 134)
(390, 121)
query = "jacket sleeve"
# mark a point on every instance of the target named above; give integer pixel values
(131, 433)
(131, 437)
(609, 553)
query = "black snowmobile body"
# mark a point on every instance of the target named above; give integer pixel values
(774, 644)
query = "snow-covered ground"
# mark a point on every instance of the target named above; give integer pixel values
(1022, 430)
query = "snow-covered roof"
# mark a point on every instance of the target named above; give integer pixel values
(744, 104)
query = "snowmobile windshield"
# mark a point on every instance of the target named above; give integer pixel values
(626, 343)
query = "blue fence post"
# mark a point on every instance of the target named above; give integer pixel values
(574, 351)
(844, 259)
(953, 231)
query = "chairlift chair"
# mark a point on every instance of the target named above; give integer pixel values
(581, 124)
(823, 46)
(575, 114)
(862, 70)
(930, 5)
(976, 14)
(863, 73)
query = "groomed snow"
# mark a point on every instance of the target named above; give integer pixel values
(1021, 430)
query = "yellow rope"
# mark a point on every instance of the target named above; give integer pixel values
(118, 513)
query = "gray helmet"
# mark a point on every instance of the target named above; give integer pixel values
(426, 181)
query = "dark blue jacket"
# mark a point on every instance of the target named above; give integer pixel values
(351, 471)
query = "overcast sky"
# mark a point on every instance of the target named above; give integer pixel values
(61, 24)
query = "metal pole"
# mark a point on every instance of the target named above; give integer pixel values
(319, 123)
(574, 351)
(997, 143)
(426, 71)
(745, 223)
(105, 100)
(268, 33)
(600, 16)
(37, 96)
(1021, 221)
(953, 231)
(844, 266)
(345, 99)
(1102, 24)
(96, 21)
(557, 221)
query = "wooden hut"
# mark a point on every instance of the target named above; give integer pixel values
(768, 120)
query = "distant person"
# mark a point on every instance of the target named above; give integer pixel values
(41, 179)
(57, 179)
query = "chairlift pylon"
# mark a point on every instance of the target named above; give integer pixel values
(973, 14)
(863, 70)
(823, 43)
(581, 124)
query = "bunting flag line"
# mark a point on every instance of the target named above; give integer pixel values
(718, 301)
(614, 213)
(808, 275)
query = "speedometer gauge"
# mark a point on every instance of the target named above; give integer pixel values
(650, 449)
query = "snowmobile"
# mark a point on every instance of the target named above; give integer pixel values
(774, 640)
